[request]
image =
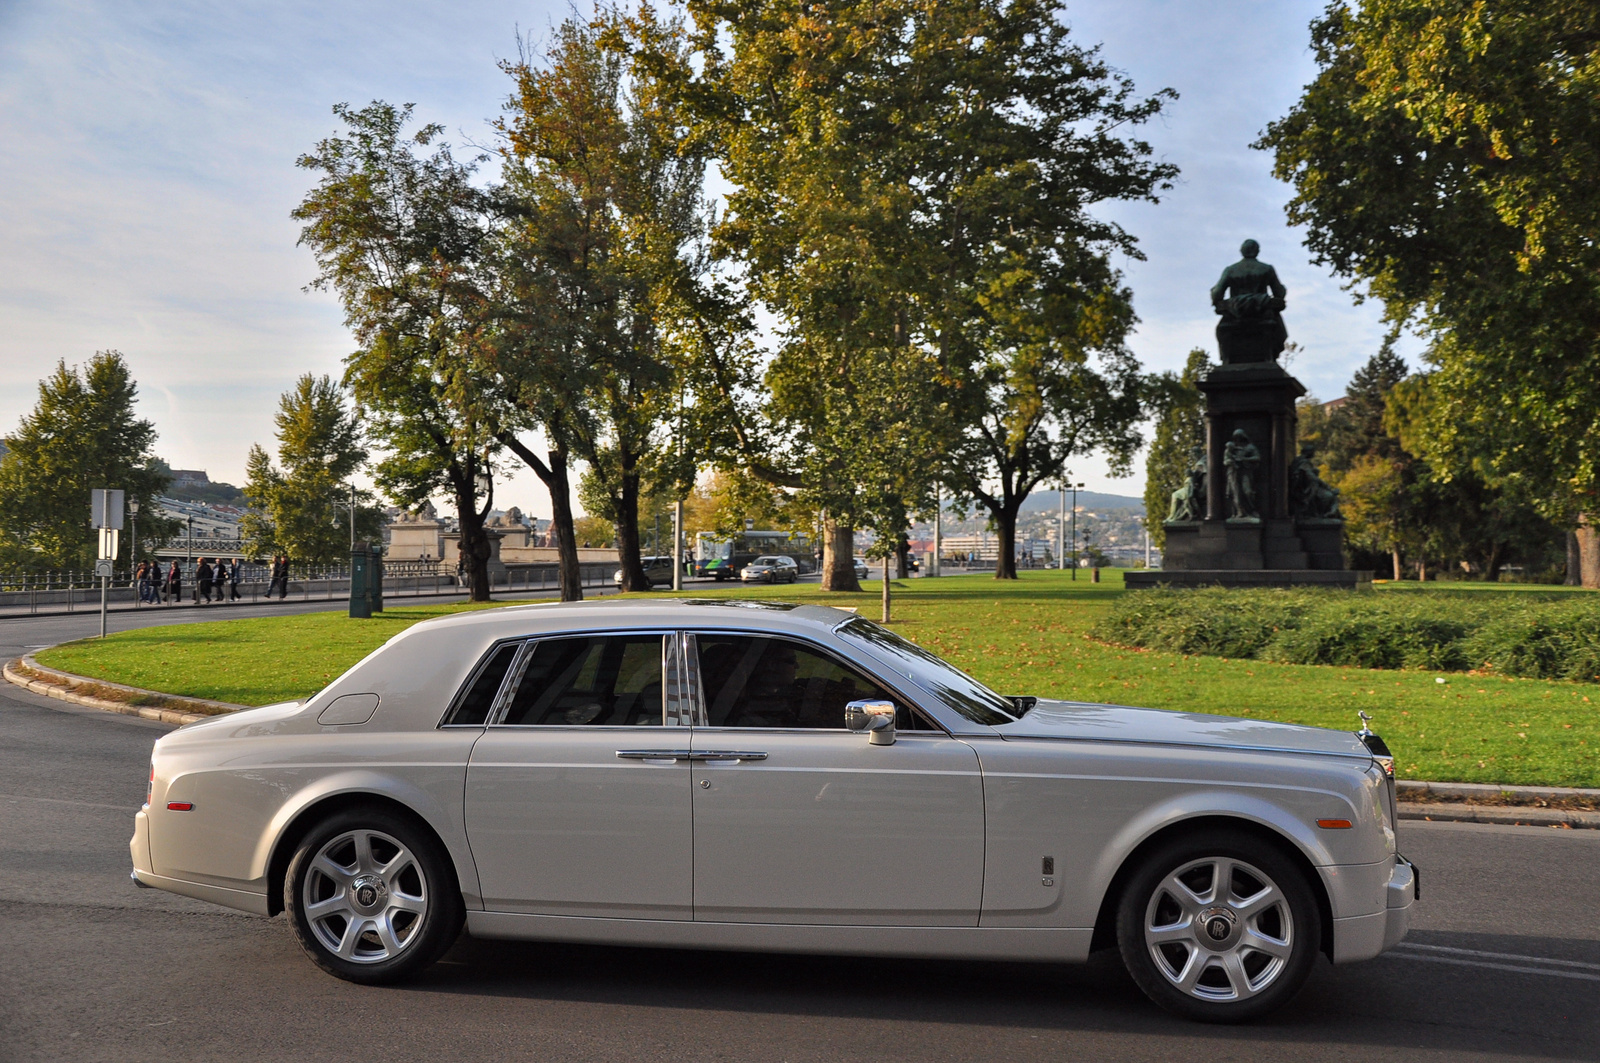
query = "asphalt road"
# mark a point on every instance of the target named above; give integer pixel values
(1504, 962)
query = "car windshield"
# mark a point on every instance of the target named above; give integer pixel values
(766, 561)
(950, 685)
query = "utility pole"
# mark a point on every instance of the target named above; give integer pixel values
(938, 525)
(352, 515)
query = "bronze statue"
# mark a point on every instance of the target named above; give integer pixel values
(1250, 299)
(1240, 458)
(1189, 501)
(1310, 497)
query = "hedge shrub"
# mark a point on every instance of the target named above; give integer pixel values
(1545, 638)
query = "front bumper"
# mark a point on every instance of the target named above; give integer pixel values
(1361, 937)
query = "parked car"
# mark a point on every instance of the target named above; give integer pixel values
(755, 775)
(861, 567)
(772, 568)
(658, 570)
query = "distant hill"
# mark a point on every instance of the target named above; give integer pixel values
(1051, 500)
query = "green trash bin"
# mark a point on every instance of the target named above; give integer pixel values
(361, 581)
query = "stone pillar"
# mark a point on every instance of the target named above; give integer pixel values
(1216, 475)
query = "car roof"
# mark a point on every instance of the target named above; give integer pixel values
(509, 621)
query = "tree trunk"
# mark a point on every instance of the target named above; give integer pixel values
(902, 559)
(1574, 561)
(1422, 570)
(1588, 553)
(1005, 526)
(1491, 571)
(1399, 573)
(554, 478)
(571, 576)
(627, 522)
(838, 556)
(473, 545)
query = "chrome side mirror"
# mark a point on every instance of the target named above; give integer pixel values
(874, 717)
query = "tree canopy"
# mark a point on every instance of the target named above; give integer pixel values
(82, 434)
(296, 505)
(1443, 160)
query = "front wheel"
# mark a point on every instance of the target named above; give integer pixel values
(1219, 927)
(372, 897)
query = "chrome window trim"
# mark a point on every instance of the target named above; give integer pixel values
(827, 651)
(514, 674)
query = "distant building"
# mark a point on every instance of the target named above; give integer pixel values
(190, 478)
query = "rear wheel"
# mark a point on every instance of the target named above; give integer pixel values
(1219, 927)
(372, 897)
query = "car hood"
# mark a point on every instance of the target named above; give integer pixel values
(1086, 721)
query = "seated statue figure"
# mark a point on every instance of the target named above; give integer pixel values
(1189, 501)
(1250, 299)
(1310, 497)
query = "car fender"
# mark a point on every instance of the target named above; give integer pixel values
(1201, 804)
(446, 821)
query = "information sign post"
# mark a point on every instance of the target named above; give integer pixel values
(105, 515)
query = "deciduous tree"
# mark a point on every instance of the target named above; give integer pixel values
(296, 505)
(399, 235)
(82, 434)
(1444, 161)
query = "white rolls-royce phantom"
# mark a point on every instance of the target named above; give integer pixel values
(743, 775)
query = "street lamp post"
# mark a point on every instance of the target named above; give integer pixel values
(1075, 488)
(133, 552)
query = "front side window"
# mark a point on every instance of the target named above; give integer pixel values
(955, 688)
(758, 681)
(603, 681)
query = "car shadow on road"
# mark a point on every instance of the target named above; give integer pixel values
(1395, 1000)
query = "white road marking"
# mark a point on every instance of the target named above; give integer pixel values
(1477, 958)
(1498, 955)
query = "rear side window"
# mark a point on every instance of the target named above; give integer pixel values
(603, 681)
(472, 708)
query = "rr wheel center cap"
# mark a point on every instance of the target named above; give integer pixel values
(1219, 928)
(368, 894)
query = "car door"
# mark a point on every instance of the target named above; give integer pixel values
(577, 795)
(798, 820)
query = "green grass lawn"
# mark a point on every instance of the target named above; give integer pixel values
(1022, 637)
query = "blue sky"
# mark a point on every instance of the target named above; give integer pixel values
(149, 173)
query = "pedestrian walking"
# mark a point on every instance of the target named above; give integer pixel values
(174, 584)
(219, 578)
(141, 575)
(233, 579)
(202, 581)
(280, 576)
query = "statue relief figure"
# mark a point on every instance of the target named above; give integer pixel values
(1241, 458)
(1189, 501)
(1310, 497)
(1250, 299)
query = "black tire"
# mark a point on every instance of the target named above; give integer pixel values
(1251, 948)
(367, 907)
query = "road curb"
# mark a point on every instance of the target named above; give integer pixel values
(1503, 815)
(64, 686)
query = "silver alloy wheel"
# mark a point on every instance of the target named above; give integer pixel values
(1219, 930)
(364, 896)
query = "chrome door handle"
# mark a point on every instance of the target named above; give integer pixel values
(654, 754)
(726, 754)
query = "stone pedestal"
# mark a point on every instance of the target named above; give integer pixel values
(1274, 547)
